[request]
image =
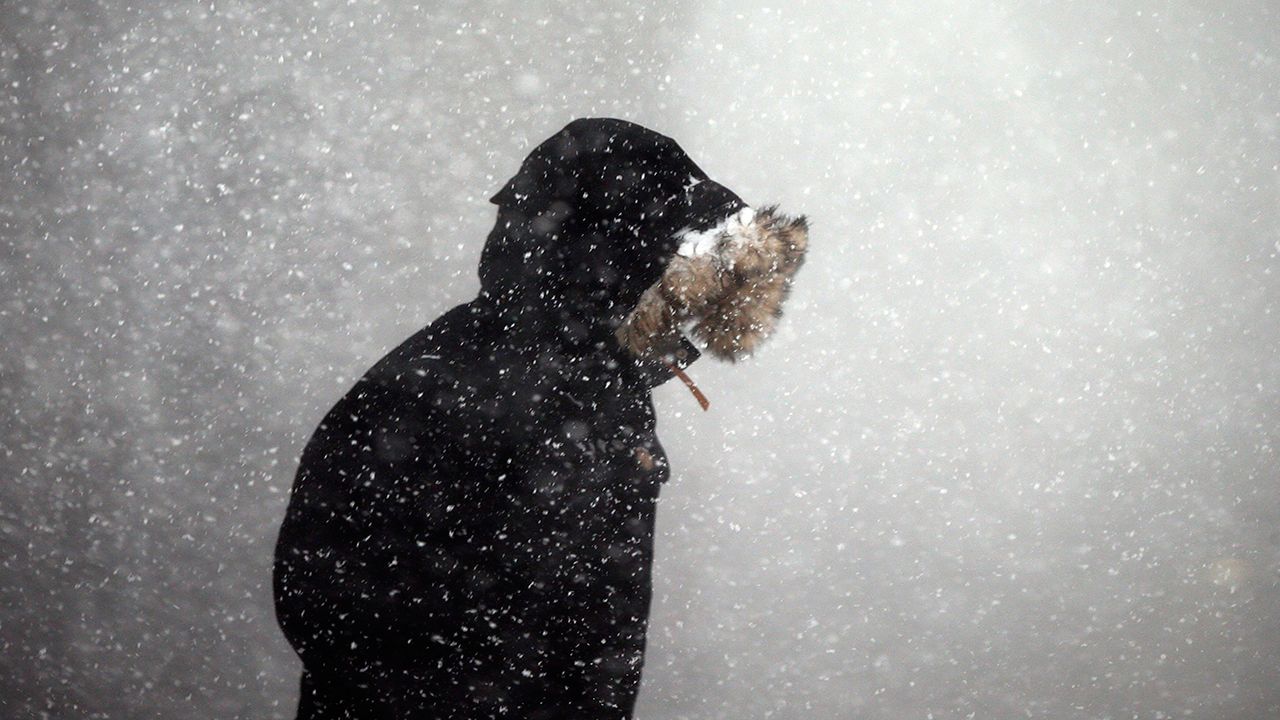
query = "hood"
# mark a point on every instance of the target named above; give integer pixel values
(610, 232)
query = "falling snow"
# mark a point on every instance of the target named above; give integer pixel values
(1012, 453)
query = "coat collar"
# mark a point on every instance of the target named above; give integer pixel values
(651, 372)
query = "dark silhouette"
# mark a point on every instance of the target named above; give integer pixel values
(471, 528)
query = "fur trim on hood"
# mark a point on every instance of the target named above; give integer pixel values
(729, 282)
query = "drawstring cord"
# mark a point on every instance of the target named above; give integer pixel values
(688, 382)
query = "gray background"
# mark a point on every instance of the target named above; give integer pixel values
(1012, 454)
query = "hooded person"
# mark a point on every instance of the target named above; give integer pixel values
(470, 532)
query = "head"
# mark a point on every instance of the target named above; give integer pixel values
(612, 227)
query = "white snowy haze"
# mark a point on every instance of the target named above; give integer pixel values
(1013, 452)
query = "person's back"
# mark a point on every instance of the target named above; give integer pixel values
(471, 528)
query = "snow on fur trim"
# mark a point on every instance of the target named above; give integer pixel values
(729, 281)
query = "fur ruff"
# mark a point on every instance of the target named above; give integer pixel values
(729, 282)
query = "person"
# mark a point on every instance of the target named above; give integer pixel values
(471, 529)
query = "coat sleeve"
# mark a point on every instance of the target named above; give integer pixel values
(384, 528)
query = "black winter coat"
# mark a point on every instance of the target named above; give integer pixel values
(471, 529)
